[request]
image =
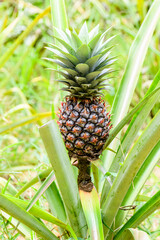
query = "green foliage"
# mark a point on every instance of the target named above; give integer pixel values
(28, 93)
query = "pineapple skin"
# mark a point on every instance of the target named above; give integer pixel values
(84, 125)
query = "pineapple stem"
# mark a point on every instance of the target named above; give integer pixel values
(84, 178)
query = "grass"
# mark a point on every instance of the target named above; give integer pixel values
(27, 88)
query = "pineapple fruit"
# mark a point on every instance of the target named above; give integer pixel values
(84, 120)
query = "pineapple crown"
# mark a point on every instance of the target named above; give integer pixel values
(85, 61)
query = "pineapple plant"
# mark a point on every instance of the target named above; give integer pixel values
(93, 215)
(83, 120)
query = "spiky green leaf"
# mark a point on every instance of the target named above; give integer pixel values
(82, 68)
(83, 34)
(83, 53)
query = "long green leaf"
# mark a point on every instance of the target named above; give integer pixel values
(137, 123)
(55, 202)
(149, 100)
(138, 182)
(130, 167)
(58, 13)
(56, 205)
(64, 175)
(135, 60)
(125, 120)
(91, 207)
(142, 213)
(59, 21)
(9, 187)
(8, 30)
(100, 8)
(20, 214)
(18, 41)
(40, 213)
(23, 121)
(48, 181)
(51, 190)
(133, 67)
(23, 229)
(95, 172)
(134, 234)
(34, 180)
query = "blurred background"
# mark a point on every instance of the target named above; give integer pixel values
(28, 91)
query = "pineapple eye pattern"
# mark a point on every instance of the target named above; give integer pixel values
(81, 121)
(86, 127)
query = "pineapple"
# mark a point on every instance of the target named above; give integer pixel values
(84, 120)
